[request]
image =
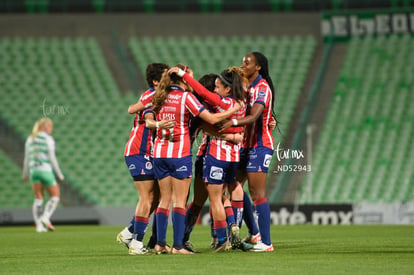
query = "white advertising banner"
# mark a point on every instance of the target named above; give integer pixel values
(381, 213)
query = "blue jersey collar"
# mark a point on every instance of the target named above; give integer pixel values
(254, 83)
(176, 87)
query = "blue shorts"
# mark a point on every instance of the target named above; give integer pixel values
(218, 171)
(140, 167)
(179, 168)
(256, 159)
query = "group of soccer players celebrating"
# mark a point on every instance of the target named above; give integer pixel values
(234, 110)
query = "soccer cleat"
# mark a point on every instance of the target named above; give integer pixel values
(245, 246)
(224, 247)
(235, 236)
(262, 247)
(189, 246)
(252, 239)
(40, 228)
(46, 222)
(137, 248)
(181, 251)
(162, 249)
(213, 243)
(124, 237)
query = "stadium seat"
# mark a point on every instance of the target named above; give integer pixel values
(361, 154)
(71, 78)
(14, 192)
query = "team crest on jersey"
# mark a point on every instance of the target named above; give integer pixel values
(267, 160)
(148, 165)
(216, 173)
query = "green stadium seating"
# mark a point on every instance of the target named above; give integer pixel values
(68, 80)
(14, 192)
(365, 147)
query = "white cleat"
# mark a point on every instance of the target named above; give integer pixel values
(124, 237)
(40, 228)
(252, 239)
(262, 247)
(46, 222)
(137, 248)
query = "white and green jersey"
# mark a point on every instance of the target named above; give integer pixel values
(40, 155)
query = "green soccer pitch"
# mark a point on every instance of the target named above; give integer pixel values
(301, 249)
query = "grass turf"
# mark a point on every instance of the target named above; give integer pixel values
(302, 249)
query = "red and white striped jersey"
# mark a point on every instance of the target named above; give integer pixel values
(140, 141)
(202, 147)
(218, 148)
(258, 133)
(179, 106)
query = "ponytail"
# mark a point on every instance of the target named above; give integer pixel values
(161, 92)
(233, 78)
(39, 125)
(163, 89)
(262, 61)
(264, 71)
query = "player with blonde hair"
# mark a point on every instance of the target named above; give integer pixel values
(39, 164)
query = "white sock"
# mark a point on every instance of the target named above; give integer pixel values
(126, 234)
(37, 210)
(50, 207)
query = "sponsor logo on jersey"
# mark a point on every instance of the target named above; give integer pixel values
(261, 94)
(131, 167)
(170, 109)
(168, 116)
(176, 97)
(216, 173)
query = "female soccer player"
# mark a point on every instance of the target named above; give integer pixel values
(200, 194)
(222, 157)
(258, 141)
(172, 153)
(139, 161)
(39, 163)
